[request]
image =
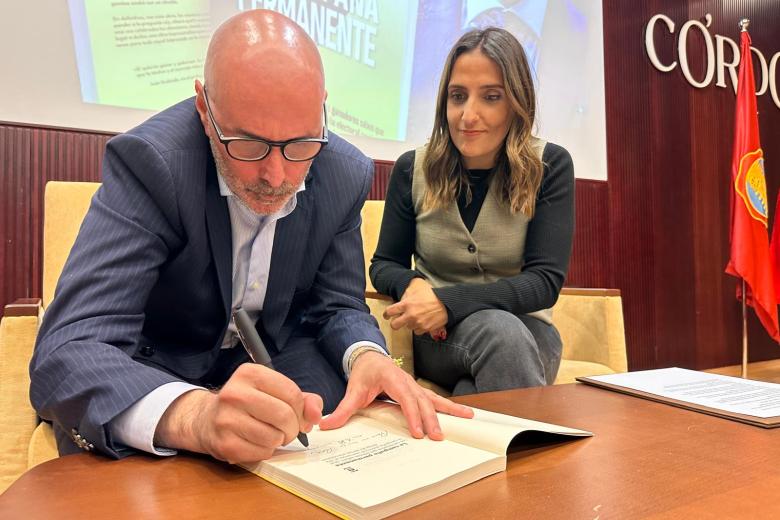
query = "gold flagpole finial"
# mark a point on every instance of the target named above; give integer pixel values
(743, 24)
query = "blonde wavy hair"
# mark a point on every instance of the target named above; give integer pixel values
(518, 166)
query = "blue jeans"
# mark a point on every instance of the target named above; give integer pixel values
(490, 350)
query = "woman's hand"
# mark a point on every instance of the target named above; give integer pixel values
(419, 310)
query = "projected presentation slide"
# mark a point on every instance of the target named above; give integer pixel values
(139, 54)
(382, 58)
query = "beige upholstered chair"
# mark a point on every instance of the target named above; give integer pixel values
(24, 442)
(17, 335)
(590, 321)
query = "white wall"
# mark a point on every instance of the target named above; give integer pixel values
(40, 83)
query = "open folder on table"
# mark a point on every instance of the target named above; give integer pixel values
(371, 467)
(743, 400)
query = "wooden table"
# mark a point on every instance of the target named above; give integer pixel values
(646, 460)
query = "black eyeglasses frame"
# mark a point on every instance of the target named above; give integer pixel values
(282, 145)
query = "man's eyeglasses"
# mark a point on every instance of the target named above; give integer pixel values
(250, 149)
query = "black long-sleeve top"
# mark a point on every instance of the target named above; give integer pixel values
(545, 258)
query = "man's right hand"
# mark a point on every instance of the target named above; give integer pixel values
(254, 413)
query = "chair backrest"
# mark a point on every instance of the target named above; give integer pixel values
(372, 221)
(65, 205)
(590, 322)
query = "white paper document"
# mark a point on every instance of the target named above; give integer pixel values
(731, 394)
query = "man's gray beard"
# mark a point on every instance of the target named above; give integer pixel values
(239, 189)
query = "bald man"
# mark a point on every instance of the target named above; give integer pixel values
(238, 198)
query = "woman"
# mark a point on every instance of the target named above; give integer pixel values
(487, 212)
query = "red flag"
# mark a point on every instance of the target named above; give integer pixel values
(750, 259)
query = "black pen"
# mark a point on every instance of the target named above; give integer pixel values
(254, 346)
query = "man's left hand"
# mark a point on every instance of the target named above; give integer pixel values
(373, 374)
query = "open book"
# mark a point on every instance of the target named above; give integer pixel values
(372, 467)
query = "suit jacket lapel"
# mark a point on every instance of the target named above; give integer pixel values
(286, 257)
(220, 237)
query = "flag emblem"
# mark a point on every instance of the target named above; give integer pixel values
(751, 185)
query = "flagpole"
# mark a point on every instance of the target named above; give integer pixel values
(744, 333)
(743, 26)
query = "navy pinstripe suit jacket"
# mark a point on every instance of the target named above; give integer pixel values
(144, 297)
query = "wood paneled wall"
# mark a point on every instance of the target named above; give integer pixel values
(669, 151)
(30, 157)
(657, 230)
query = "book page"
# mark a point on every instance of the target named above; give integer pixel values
(367, 463)
(731, 394)
(487, 431)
